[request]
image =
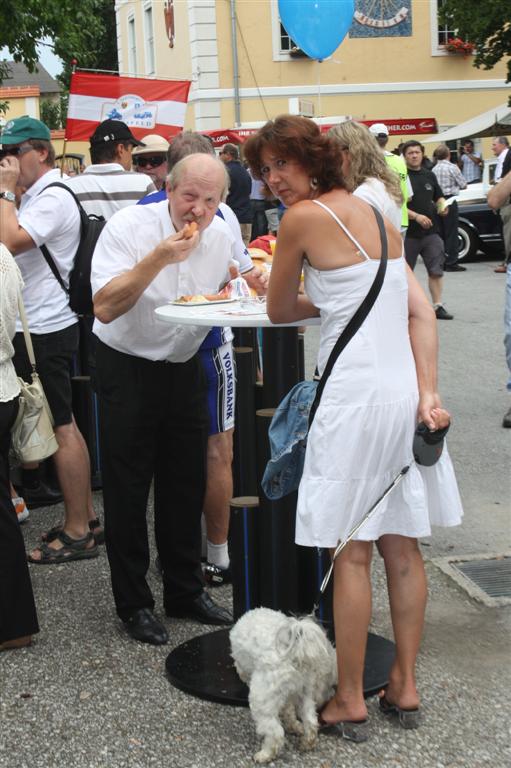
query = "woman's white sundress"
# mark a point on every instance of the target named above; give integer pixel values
(362, 433)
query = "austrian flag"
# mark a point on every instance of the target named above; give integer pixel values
(146, 106)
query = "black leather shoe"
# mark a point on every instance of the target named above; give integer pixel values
(202, 609)
(442, 314)
(40, 496)
(142, 625)
(454, 268)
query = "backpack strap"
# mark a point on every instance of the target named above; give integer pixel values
(44, 250)
(49, 260)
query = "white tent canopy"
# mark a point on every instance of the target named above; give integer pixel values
(494, 122)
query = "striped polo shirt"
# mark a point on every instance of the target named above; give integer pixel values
(105, 188)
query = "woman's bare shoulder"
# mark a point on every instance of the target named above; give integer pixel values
(297, 210)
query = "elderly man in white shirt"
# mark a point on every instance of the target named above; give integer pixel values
(151, 387)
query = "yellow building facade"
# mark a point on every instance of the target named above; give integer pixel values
(238, 58)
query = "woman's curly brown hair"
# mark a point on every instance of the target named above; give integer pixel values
(299, 139)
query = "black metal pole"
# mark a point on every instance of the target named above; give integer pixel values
(301, 357)
(278, 577)
(280, 363)
(244, 462)
(244, 549)
(247, 337)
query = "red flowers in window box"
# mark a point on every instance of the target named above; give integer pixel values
(457, 45)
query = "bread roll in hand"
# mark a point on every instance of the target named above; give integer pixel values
(189, 229)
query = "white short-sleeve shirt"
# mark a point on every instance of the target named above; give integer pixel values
(52, 219)
(129, 236)
(373, 192)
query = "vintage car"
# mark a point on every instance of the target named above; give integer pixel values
(479, 190)
(479, 227)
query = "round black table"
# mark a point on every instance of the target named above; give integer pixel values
(203, 666)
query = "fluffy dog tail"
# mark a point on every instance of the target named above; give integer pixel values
(305, 641)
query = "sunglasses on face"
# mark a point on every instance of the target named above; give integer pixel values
(143, 161)
(14, 151)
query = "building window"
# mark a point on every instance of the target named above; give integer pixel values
(440, 33)
(444, 31)
(286, 42)
(149, 40)
(132, 46)
(284, 47)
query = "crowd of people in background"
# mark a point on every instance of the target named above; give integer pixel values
(162, 392)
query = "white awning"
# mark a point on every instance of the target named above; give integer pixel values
(494, 122)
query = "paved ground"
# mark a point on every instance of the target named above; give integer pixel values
(85, 696)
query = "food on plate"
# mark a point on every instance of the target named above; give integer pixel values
(191, 299)
(189, 229)
(202, 297)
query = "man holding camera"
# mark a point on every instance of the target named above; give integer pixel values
(470, 163)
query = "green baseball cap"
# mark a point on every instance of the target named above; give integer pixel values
(22, 129)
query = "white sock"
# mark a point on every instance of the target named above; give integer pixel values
(218, 554)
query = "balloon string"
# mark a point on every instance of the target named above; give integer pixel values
(319, 89)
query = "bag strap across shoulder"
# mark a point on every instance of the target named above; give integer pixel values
(44, 250)
(26, 332)
(359, 316)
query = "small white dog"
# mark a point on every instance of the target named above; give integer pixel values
(290, 668)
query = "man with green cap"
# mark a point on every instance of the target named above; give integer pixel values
(48, 216)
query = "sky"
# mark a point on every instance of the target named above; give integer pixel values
(50, 62)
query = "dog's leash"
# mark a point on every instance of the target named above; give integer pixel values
(354, 530)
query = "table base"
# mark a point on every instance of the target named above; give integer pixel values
(203, 667)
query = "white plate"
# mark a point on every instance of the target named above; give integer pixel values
(202, 303)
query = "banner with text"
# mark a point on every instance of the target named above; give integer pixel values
(145, 105)
(401, 126)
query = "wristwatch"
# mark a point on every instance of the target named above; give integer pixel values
(8, 195)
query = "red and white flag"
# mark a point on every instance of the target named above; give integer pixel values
(146, 106)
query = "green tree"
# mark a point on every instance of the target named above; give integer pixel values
(486, 24)
(50, 113)
(91, 50)
(83, 30)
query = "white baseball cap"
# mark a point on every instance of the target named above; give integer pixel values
(377, 129)
(152, 143)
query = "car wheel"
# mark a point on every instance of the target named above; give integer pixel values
(467, 240)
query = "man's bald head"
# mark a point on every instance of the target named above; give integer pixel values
(206, 166)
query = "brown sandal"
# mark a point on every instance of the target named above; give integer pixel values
(72, 549)
(95, 528)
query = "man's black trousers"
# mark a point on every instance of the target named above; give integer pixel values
(153, 424)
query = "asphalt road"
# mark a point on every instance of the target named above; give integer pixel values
(86, 696)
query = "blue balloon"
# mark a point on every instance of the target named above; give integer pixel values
(318, 27)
